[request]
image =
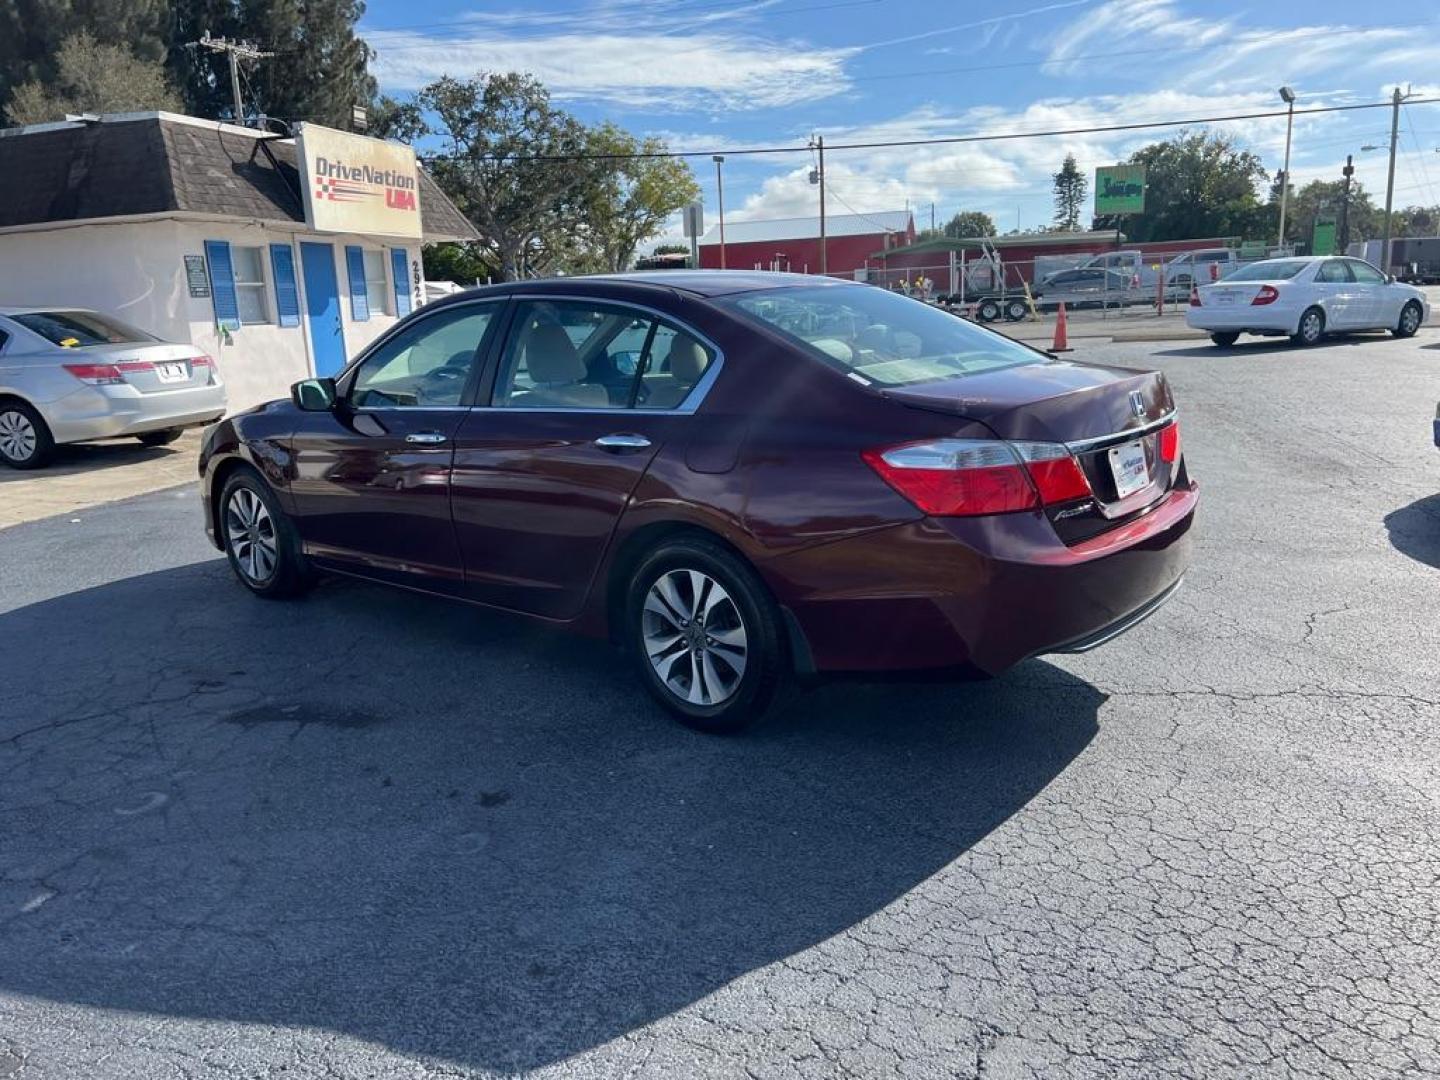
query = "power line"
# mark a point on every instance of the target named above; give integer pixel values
(999, 136)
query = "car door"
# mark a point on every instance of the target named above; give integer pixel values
(1335, 292)
(582, 396)
(1376, 303)
(371, 477)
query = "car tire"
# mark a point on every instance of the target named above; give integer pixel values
(252, 526)
(988, 311)
(1409, 322)
(716, 661)
(1016, 310)
(25, 439)
(1311, 327)
(1225, 339)
(163, 437)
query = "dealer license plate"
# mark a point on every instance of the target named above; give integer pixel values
(1225, 299)
(172, 372)
(1128, 465)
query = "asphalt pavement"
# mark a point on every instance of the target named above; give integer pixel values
(371, 834)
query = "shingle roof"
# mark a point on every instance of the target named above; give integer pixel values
(155, 163)
(802, 228)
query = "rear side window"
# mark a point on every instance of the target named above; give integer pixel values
(78, 329)
(879, 336)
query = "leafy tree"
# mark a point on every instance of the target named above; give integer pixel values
(970, 223)
(497, 132)
(461, 263)
(1070, 189)
(398, 120)
(671, 249)
(320, 69)
(1324, 198)
(1197, 184)
(631, 197)
(93, 77)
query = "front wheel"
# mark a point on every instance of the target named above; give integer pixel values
(260, 541)
(1016, 310)
(1410, 316)
(1226, 339)
(706, 636)
(1311, 329)
(25, 440)
(988, 311)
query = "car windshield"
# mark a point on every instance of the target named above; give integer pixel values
(880, 336)
(77, 329)
(1269, 270)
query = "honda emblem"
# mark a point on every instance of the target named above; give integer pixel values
(1137, 403)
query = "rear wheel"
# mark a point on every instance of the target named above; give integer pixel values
(160, 438)
(25, 440)
(260, 541)
(1311, 329)
(1226, 339)
(706, 635)
(988, 311)
(1016, 310)
(1410, 316)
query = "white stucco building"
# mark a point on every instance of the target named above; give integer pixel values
(203, 232)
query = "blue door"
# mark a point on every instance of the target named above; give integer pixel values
(322, 305)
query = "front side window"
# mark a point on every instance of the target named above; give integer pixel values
(425, 365)
(1364, 273)
(377, 292)
(77, 329)
(880, 337)
(248, 264)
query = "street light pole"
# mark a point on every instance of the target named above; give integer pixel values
(1287, 95)
(719, 160)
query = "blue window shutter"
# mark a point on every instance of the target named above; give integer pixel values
(287, 297)
(400, 271)
(222, 284)
(359, 304)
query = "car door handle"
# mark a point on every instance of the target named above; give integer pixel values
(425, 438)
(621, 442)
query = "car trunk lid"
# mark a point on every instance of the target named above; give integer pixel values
(149, 368)
(1112, 419)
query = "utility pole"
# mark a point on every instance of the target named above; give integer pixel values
(719, 160)
(817, 176)
(235, 51)
(1395, 100)
(1288, 96)
(1346, 172)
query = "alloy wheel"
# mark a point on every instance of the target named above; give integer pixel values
(1410, 319)
(694, 636)
(251, 534)
(17, 435)
(1310, 326)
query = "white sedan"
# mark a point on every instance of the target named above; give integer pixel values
(1305, 298)
(69, 376)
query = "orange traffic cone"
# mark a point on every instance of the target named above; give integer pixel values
(1061, 342)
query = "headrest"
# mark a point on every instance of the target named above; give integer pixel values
(551, 355)
(687, 359)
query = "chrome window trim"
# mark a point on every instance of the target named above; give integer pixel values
(1080, 446)
(688, 407)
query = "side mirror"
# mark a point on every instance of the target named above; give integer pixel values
(1389, 279)
(314, 395)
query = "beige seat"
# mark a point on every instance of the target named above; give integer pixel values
(686, 361)
(556, 369)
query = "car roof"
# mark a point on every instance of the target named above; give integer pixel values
(701, 283)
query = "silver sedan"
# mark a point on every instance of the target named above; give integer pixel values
(70, 376)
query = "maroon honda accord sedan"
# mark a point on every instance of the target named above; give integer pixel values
(737, 477)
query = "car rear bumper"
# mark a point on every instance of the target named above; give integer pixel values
(979, 593)
(1245, 317)
(106, 412)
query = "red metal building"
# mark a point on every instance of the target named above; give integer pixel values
(793, 244)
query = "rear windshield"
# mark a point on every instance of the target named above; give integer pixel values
(880, 336)
(1270, 270)
(77, 329)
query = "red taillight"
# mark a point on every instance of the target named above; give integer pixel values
(95, 374)
(1268, 294)
(1170, 443)
(201, 361)
(964, 477)
(1194, 296)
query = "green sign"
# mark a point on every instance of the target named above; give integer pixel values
(1120, 189)
(1322, 240)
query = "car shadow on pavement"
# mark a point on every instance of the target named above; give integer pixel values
(1256, 346)
(1415, 530)
(72, 458)
(453, 833)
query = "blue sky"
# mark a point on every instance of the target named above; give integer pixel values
(718, 74)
